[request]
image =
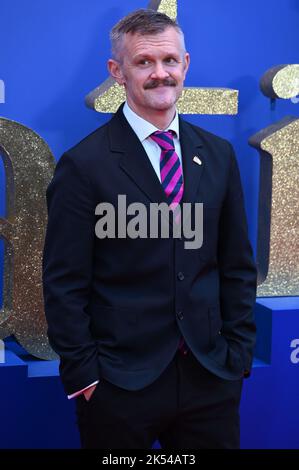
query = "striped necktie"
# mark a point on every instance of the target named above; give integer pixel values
(170, 169)
(172, 181)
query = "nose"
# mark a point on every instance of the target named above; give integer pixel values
(159, 71)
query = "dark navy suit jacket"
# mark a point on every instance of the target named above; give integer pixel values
(116, 307)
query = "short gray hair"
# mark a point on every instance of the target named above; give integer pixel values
(143, 21)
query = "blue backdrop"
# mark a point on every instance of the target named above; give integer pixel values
(52, 53)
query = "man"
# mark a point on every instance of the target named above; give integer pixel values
(154, 337)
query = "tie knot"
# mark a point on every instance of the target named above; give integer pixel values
(164, 139)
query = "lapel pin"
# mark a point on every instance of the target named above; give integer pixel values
(197, 160)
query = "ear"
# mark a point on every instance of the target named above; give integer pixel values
(186, 63)
(115, 71)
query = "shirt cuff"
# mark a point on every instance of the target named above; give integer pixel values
(73, 395)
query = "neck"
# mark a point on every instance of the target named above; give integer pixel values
(159, 118)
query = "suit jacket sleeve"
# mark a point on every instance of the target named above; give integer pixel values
(237, 271)
(67, 273)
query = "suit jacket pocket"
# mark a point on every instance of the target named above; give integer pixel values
(113, 326)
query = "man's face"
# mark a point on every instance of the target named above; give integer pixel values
(152, 68)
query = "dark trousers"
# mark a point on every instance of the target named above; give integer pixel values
(187, 407)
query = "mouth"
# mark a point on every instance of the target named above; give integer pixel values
(154, 84)
(160, 87)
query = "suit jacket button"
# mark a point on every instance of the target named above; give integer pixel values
(180, 315)
(181, 276)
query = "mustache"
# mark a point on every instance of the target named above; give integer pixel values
(155, 83)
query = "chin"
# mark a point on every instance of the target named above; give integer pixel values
(163, 105)
(163, 101)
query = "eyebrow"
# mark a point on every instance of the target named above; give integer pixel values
(148, 56)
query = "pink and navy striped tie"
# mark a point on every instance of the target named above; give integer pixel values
(170, 170)
(171, 180)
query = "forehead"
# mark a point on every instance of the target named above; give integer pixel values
(169, 40)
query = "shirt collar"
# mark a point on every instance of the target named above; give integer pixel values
(142, 128)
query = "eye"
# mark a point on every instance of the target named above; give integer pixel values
(144, 62)
(170, 60)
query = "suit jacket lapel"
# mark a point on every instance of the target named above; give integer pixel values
(136, 164)
(134, 161)
(192, 146)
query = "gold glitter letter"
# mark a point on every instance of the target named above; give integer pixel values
(278, 227)
(281, 81)
(29, 166)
